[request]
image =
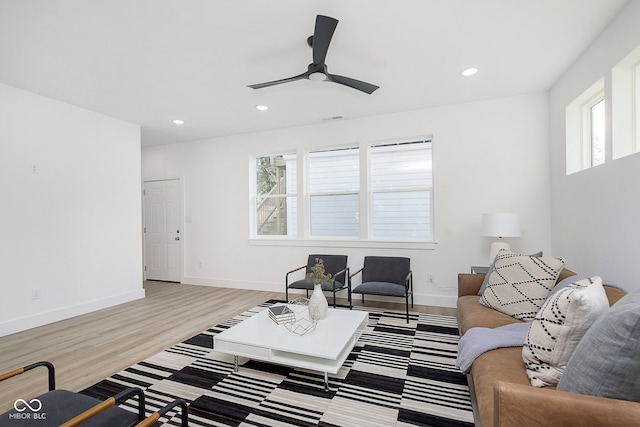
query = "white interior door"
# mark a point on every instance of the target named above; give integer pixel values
(163, 230)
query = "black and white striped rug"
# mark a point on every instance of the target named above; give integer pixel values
(396, 375)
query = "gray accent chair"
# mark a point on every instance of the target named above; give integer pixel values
(336, 265)
(62, 407)
(386, 276)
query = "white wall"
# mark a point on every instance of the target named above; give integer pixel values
(70, 213)
(595, 212)
(489, 156)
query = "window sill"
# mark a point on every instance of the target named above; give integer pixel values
(370, 244)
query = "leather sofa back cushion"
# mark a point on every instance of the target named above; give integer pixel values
(605, 363)
(519, 284)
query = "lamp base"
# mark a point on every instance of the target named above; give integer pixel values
(495, 248)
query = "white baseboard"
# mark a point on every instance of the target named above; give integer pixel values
(420, 299)
(435, 300)
(33, 321)
(233, 284)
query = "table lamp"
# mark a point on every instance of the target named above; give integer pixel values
(499, 225)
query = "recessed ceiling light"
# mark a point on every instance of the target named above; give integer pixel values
(469, 72)
(178, 122)
(262, 107)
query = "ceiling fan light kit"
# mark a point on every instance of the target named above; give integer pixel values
(317, 70)
(317, 76)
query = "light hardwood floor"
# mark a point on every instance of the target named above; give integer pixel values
(88, 348)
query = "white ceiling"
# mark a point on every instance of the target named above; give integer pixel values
(150, 61)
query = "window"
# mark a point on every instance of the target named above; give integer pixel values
(276, 201)
(334, 184)
(401, 187)
(625, 100)
(596, 134)
(367, 192)
(585, 129)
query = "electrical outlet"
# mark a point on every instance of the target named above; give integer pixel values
(36, 293)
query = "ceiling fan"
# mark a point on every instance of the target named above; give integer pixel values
(317, 71)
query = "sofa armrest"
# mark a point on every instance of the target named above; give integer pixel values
(520, 405)
(469, 284)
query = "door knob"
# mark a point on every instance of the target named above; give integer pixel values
(177, 238)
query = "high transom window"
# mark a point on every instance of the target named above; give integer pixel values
(585, 129)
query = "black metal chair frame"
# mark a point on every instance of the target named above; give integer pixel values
(346, 284)
(153, 418)
(108, 403)
(408, 290)
(99, 407)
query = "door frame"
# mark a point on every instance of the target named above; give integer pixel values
(180, 220)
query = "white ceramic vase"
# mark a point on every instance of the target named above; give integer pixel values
(318, 304)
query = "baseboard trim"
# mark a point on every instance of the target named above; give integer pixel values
(420, 299)
(40, 319)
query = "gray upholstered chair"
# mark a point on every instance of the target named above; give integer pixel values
(387, 276)
(336, 265)
(62, 407)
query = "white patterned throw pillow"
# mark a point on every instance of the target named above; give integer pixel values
(519, 284)
(558, 328)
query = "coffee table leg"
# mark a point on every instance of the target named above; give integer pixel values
(235, 363)
(326, 381)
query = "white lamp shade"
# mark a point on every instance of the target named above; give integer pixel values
(500, 225)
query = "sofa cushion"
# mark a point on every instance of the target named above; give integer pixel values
(558, 328)
(519, 284)
(606, 361)
(473, 315)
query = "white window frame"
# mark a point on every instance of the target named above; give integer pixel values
(254, 196)
(371, 192)
(588, 142)
(625, 109)
(309, 194)
(364, 239)
(579, 128)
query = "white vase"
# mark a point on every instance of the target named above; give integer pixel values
(318, 304)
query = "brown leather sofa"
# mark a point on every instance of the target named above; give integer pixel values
(500, 389)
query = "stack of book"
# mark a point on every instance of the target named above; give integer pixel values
(281, 314)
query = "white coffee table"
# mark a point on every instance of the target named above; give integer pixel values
(325, 349)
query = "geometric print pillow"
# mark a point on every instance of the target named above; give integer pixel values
(519, 284)
(501, 253)
(558, 328)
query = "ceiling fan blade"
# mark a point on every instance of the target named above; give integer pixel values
(277, 82)
(356, 84)
(325, 27)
